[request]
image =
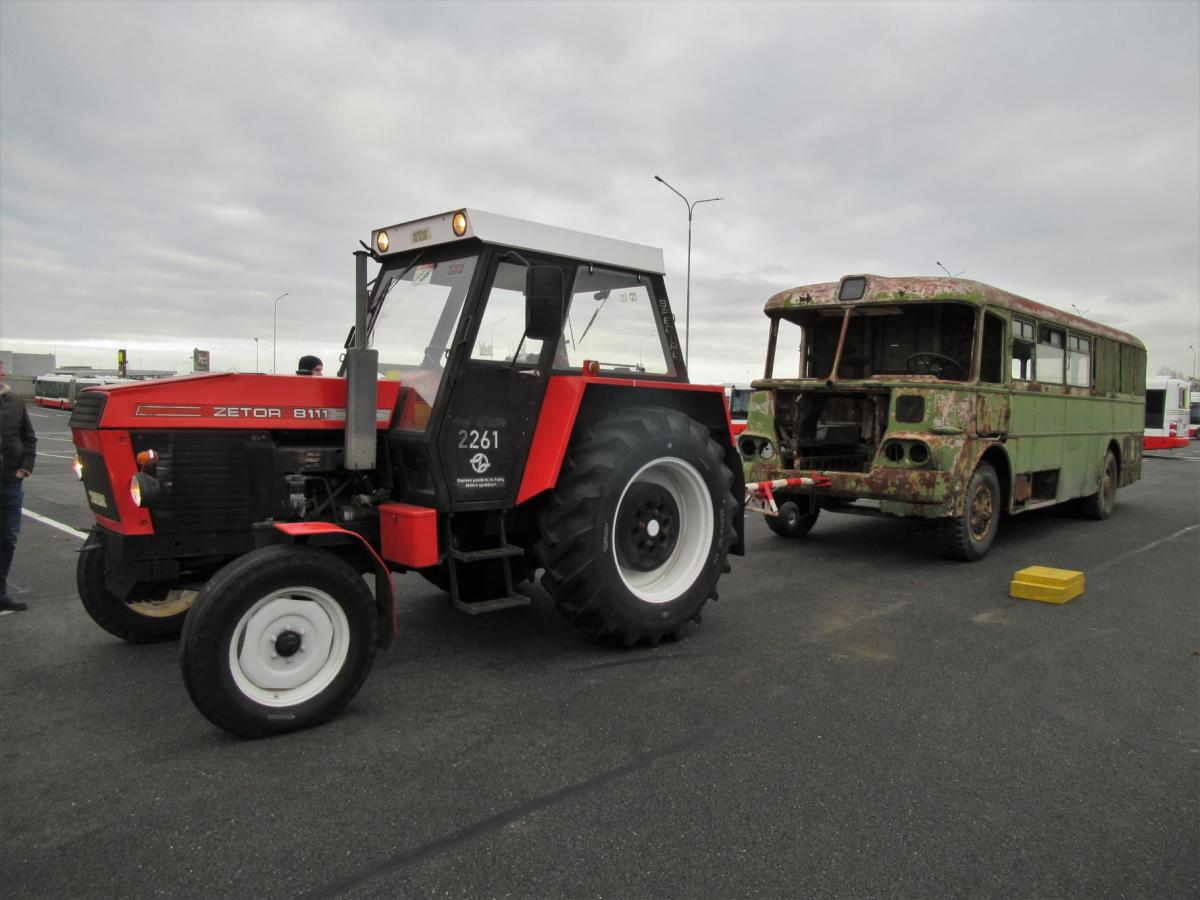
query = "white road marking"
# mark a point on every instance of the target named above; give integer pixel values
(56, 455)
(53, 524)
(1123, 556)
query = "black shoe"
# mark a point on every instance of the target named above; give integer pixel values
(11, 605)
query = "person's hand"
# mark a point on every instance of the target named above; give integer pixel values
(22, 473)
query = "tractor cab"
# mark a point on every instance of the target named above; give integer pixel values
(473, 313)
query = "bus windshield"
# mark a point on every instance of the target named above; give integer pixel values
(902, 339)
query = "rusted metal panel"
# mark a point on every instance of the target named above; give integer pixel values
(882, 288)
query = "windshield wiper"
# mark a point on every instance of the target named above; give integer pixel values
(602, 296)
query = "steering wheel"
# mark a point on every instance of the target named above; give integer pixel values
(934, 364)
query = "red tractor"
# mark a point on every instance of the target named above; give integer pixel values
(525, 407)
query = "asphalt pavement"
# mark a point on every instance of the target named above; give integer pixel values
(856, 716)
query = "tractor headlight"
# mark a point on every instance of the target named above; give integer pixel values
(77, 467)
(144, 489)
(382, 241)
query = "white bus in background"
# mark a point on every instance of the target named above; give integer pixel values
(1194, 421)
(1167, 412)
(60, 390)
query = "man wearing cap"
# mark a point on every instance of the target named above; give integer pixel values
(310, 365)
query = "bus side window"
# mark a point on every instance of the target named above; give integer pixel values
(1022, 350)
(1079, 361)
(1051, 355)
(991, 362)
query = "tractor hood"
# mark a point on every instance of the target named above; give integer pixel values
(227, 401)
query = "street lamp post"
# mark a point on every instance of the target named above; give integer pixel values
(275, 330)
(687, 309)
(492, 335)
(256, 354)
(1193, 349)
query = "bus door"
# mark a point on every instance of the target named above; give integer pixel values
(991, 405)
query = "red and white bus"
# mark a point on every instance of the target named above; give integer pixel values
(737, 396)
(59, 390)
(1194, 423)
(1167, 413)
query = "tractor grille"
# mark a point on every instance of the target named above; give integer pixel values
(98, 486)
(207, 480)
(88, 409)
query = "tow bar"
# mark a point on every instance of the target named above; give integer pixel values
(760, 495)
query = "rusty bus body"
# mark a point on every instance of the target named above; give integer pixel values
(944, 399)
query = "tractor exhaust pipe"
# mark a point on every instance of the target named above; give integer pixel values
(362, 373)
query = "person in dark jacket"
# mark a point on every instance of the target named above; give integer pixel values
(310, 365)
(18, 446)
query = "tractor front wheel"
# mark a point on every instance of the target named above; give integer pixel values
(637, 532)
(148, 615)
(281, 638)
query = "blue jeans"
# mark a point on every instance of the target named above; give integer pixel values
(10, 527)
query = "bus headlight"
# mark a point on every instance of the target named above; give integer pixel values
(144, 489)
(77, 467)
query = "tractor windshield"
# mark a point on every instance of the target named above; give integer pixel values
(415, 310)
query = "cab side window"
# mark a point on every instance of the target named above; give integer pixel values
(1022, 350)
(500, 332)
(613, 321)
(1051, 354)
(1079, 361)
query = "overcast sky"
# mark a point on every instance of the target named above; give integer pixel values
(168, 169)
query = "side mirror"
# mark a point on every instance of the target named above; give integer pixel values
(544, 302)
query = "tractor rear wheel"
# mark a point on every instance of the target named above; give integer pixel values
(279, 639)
(637, 531)
(149, 615)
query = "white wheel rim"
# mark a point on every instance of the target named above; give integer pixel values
(273, 679)
(686, 561)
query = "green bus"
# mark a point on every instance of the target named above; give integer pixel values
(941, 399)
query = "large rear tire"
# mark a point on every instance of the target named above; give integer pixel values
(149, 615)
(279, 639)
(1100, 504)
(969, 536)
(638, 529)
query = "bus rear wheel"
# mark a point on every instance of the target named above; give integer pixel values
(1100, 504)
(969, 535)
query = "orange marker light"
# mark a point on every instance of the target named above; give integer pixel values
(459, 224)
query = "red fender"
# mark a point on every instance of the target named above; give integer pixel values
(301, 531)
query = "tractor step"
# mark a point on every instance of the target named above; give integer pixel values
(470, 556)
(486, 606)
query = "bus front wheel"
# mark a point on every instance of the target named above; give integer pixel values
(969, 535)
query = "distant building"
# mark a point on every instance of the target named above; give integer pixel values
(23, 368)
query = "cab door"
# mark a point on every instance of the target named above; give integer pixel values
(495, 397)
